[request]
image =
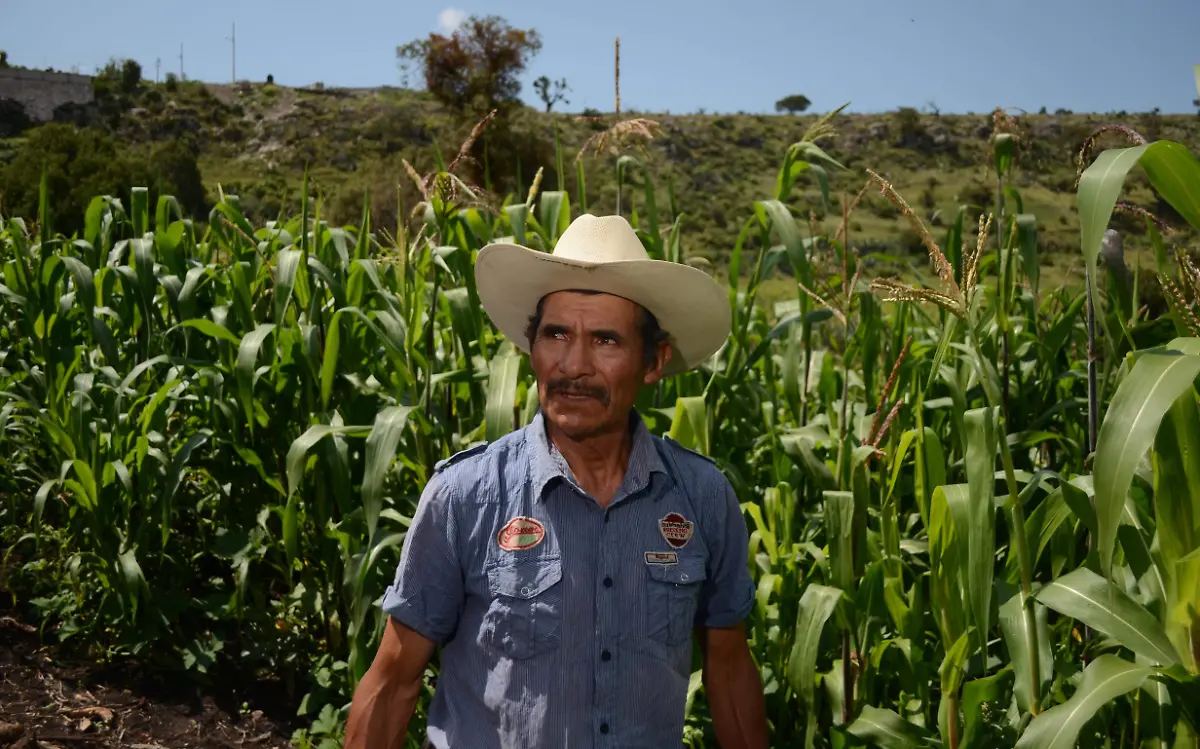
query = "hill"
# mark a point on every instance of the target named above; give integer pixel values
(256, 140)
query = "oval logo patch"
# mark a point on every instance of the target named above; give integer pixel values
(676, 529)
(521, 533)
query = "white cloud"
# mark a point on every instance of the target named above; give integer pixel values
(450, 19)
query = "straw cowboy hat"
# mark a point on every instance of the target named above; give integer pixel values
(602, 253)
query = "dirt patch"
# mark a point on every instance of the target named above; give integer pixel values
(48, 701)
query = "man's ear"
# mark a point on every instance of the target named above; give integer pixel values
(663, 355)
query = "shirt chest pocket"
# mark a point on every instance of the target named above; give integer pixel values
(524, 617)
(672, 596)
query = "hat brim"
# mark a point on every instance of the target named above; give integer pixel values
(687, 303)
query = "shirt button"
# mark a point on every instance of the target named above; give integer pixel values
(603, 728)
(608, 582)
(525, 590)
(606, 656)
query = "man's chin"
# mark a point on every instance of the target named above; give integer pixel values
(578, 418)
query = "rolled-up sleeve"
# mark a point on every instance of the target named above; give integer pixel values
(729, 592)
(427, 593)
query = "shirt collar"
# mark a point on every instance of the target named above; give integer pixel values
(546, 463)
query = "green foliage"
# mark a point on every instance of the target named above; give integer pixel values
(82, 163)
(13, 118)
(793, 104)
(216, 437)
(551, 92)
(477, 67)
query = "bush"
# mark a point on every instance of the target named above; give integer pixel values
(82, 163)
(131, 76)
(13, 118)
(172, 84)
(171, 169)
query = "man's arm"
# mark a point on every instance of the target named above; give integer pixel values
(733, 688)
(386, 697)
(423, 605)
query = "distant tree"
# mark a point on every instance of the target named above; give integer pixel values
(551, 97)
(1196, 103)
(1042, 110)
(793, 104)
(909, 126)
(172, 82)
(477, 66)
(3, 59)
(270, 78)
(131, 76)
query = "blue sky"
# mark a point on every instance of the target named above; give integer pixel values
(677, 56)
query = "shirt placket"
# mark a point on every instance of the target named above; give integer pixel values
(608, 611)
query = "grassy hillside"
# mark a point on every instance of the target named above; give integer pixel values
(256, 140)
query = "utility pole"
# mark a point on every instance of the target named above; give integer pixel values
(233, 43)
(182, 77)
(157, 68)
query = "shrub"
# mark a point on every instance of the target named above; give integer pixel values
(82, 163)
(13, 118)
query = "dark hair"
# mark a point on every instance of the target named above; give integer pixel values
(652, 334)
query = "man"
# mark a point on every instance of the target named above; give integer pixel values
(564, 568)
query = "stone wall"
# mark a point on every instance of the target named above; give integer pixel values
(42, 92)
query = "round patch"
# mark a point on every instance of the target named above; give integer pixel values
(676, 529)
(521, 533)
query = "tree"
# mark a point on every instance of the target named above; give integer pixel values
(3, 59)
(82, 163)
(477, 66)
(131, 76)
(549, 98)
(793, 104)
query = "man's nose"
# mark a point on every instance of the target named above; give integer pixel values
(576, 360)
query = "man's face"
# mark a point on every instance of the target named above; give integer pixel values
(587, 357)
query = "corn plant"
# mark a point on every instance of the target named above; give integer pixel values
(215, 434)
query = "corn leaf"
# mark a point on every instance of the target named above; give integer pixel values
(981, 515)
(1014, 630)
(816, 606)
(381, 450)
(1105, 679)
(1128, 431)
(1177, 518)
(1088, 597)
(886, 729)
(504, 372)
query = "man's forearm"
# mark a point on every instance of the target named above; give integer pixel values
(380, 713)
(735, 699)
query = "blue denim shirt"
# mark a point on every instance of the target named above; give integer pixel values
(564, 624)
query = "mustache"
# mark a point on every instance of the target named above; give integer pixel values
(569, 387)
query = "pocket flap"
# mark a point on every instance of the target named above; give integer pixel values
(689, 570)
(524, 577)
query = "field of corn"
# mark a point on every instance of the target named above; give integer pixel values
(975, 505)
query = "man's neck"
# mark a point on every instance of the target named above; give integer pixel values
(598, 462)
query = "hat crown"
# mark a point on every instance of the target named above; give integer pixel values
(600, 239)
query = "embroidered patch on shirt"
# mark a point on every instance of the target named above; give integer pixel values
(521, 533)
(676, 529)
(662, 557)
